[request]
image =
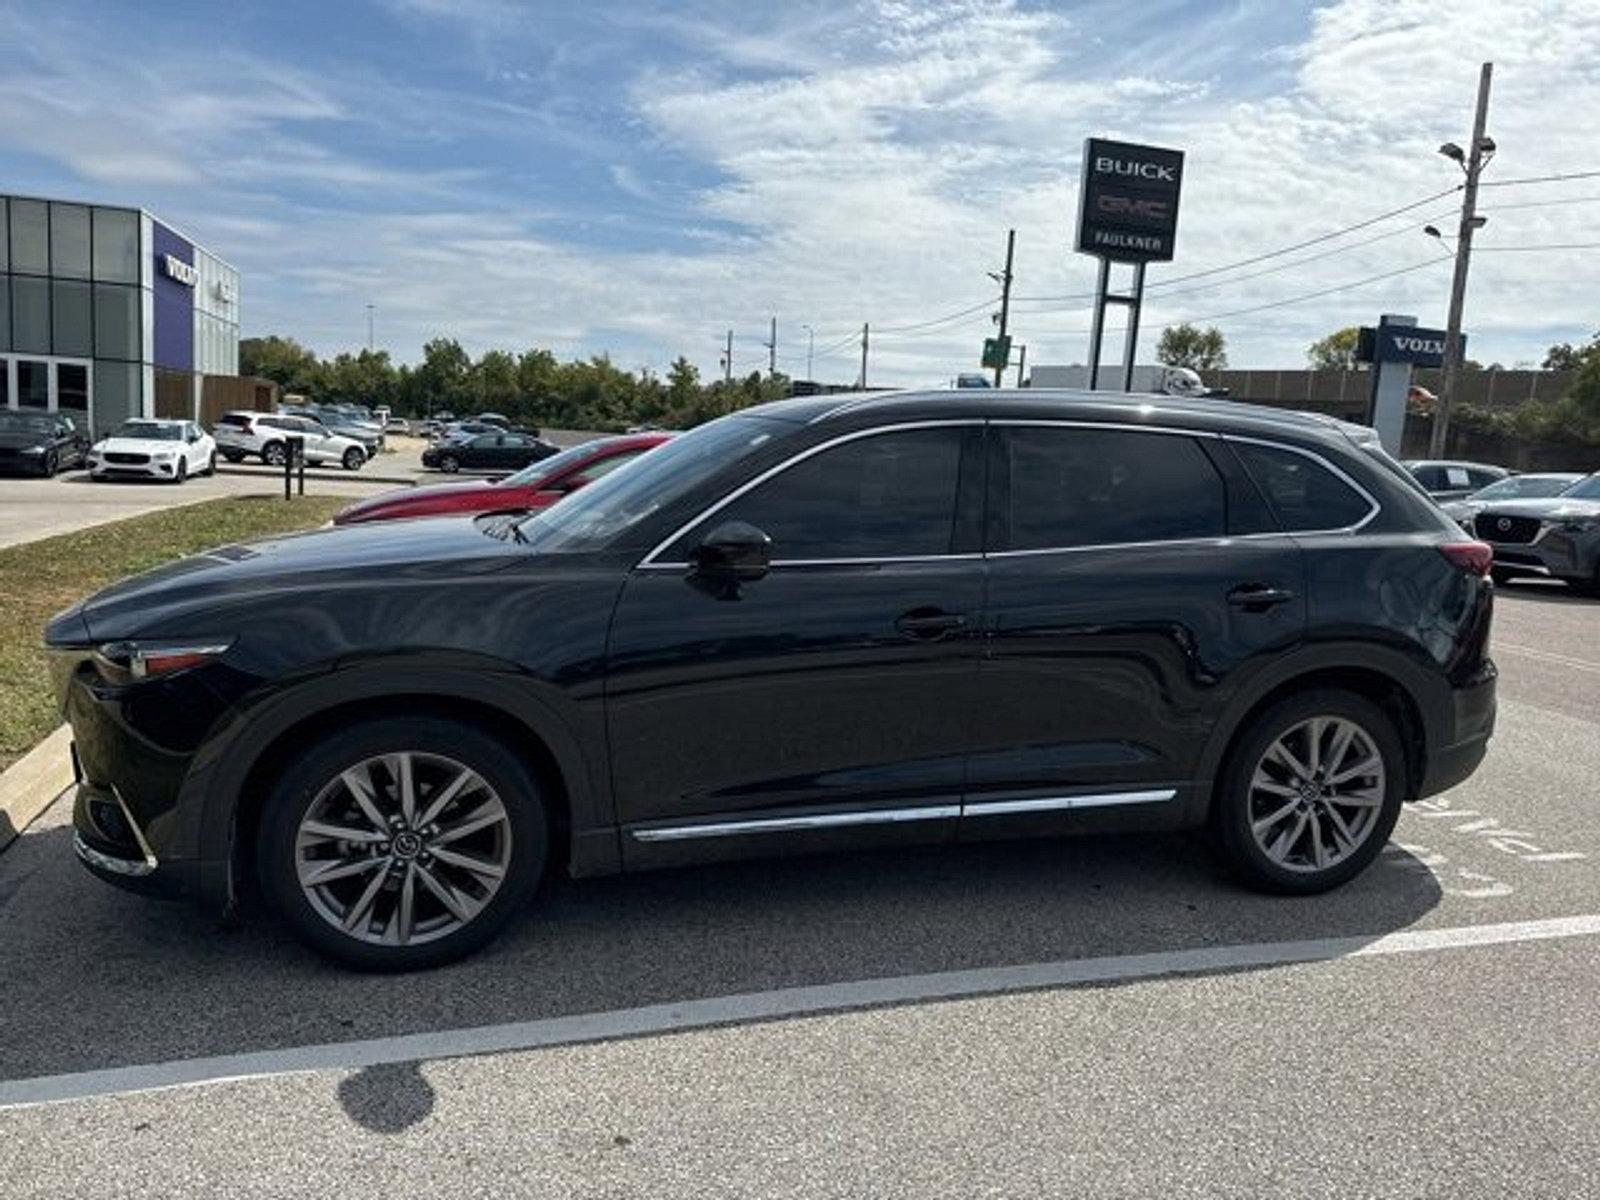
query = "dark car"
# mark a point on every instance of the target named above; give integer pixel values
(492, 451)
(821, 623)
(536, 486)
(40, 443)
(1454, 480)
(1554, 538)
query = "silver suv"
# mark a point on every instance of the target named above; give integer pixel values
(244, 434)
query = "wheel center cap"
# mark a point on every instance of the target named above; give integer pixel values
(1310, 791)
(407, 844)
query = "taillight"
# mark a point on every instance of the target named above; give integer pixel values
(1475, 558)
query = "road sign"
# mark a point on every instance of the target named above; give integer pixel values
(996, 352)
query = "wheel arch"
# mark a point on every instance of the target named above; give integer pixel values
(1386, 677)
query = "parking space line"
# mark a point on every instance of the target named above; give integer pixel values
(767, 1006)
(1565, 660)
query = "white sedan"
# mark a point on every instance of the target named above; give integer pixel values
(154, 449)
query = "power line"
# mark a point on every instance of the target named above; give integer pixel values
(1524, 249)
(1541, 203)
(1488, 183)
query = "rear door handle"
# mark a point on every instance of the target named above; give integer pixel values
(1258, 597)
(929, 623)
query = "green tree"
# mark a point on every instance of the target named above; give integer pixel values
(439, 382)
(1186, 345)
(1336, 352)
(1564, 356)
(367, 377)
(494, 384)
(282, 360)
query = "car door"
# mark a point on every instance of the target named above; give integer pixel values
(830, 701)
(1122, 608)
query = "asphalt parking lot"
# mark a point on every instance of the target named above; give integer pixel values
(1106, 1017)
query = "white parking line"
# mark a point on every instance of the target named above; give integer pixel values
(1565, 660)
(767, 1006)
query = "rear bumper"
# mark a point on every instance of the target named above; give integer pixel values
(1475, 709)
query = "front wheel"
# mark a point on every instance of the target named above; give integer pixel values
(1500, 574)
(449, 464)
(402, 843)
(1310, 793)
(273, 454)
(211, 464)
(182, 472)
(353, 458)
(51, 464)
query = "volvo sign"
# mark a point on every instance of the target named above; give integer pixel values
(1407, 344)
(1128, 201)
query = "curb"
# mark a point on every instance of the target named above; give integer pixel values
(276, 477)
(32, 783)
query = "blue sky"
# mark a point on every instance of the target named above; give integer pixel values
(636, 178)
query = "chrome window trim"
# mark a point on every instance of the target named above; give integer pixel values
(996, 808)
(840, 820)
(705, 514)
(649, 562)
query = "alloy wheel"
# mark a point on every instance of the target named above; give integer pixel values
(1316, 794)
(403, 848)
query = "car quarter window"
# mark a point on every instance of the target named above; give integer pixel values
(887, 495)
(1062, 487)
(1306, 495)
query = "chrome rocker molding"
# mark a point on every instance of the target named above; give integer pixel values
(892, 816)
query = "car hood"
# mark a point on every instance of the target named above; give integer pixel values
(354, 555)
(472, 489)
(16, 439)
(124, 445)
(1548, 508)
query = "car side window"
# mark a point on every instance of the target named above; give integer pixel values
(604, 467)
(1075, 486)
(1304, 493)
(887, 495)
(1431, 478)
(484, 441)
(1482, 479)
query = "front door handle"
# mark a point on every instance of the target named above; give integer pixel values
(930, 624)
(1258, 597)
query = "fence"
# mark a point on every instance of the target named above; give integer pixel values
(1344, 393)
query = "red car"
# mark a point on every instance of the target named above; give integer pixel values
(537, 485)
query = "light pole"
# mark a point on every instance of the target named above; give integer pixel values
(1472, 161)
(369, 329)
(811, 349)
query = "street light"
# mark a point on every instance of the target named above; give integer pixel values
(811, 345)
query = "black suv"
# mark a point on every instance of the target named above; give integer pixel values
(828, 622)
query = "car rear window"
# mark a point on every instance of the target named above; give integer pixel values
(1305, 494)
(239, 420)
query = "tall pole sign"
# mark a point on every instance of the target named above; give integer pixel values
(1127, 212)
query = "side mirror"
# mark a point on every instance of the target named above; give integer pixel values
(733, 552)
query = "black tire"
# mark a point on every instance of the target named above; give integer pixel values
(233, 456)
(211, 464)
(354, 458)
(51, 464)
(449, 464)
(1231, 809)
(1587, 587)
(306, 775)
(273, 454)
(182, 472)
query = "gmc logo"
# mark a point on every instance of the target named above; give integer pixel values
(1124, 206)
(1138, 170)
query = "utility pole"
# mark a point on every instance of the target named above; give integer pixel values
(772, 350)
(811, 350)
(1022, 363)
(1005, 302)
(727, 360)
(369, 329)
(1473, 165)
(865, 335)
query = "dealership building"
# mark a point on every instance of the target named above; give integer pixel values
(108, 313)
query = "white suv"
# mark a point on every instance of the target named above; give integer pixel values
(242, 434)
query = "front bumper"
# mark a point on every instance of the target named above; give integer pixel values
(151, 470)
(1554, 551)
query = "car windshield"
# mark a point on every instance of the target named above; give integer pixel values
(153, 431)
(597, 514)
(15, 422)
(1584, 489)
(548, 468)
(1524, 487)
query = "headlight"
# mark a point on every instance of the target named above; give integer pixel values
(1577, 524)
(34, 450)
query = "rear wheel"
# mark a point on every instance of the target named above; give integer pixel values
(233, 456)
(449, 464)
(1310, 793)
(353, 458)
(273, 454)
(402, 843)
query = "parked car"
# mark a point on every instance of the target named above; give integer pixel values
(245, 434)
(397, 425)
(341, 424)
(821, 623)
(494, 418)
(1454, 480)
(153, 449)
(495, 451)
(537, 486)
(40, 442)
(1554, 538)
(1533, 486)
